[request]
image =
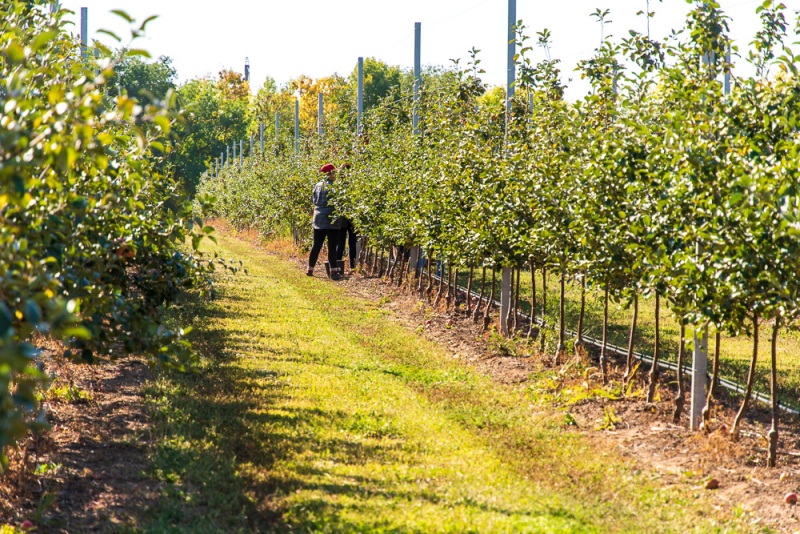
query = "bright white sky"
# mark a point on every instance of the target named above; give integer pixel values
(320, 37)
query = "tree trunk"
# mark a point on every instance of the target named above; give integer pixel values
(401, 269)
(603, 357)
(362, 255)
(450, 296)
(391, 262)
(476, 313)
(510, 311)
(515, 317)
(421, 273)
(772, 459)
(429, 285)
(440, 290)
(631, 339)
(579, 338)
(448, 270)
(385, 265)
(680, 396)
(489, 301)
(379, 262)
(562, 346)
(543, 328)
(714, 381)
(652, 377)
(468, 303)
(751, 376)
(455, 289)
(533, 298)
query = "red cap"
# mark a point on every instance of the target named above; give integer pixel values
(327, 168)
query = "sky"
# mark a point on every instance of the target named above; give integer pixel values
(317, 38)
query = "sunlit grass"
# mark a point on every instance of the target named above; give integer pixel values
(316, 412)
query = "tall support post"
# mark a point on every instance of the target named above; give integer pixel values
(252, 148)
(297, 126)
(414, 256)
(727, 82)
(84, 31)
(699, 375)
(222, 159)
(228, 154)
(417, 74)
(241, 151)
(261, 136)
(233, 151)
(360, 108)
(511, 66)
(530, 108)
(700, 352)
(505, 286)
(320, 114)
(277, 127)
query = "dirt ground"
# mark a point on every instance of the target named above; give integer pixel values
(93, 461)
(88, 473)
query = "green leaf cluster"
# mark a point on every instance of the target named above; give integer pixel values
(91, 235)
(656, 182)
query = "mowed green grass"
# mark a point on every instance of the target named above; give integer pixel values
(315, 411)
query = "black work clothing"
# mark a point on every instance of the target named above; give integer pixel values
(347, 231)
(332, 234)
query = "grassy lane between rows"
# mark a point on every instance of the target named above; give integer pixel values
(316, 412)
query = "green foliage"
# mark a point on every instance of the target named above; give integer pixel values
(380, 81)
(68, 393)
(215, 116)
(91, 236)
(656, 182)
(149, 82)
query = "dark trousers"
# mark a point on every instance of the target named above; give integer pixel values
(347, 235)
(319, 239)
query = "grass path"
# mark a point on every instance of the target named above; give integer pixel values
(316, 412)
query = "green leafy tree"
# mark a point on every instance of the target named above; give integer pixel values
(216, 117)
(91, 235)
(148, 82)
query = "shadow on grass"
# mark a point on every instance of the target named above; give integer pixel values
(227, 451)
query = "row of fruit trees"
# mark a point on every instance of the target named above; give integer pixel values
(657, 184)
(92, 236)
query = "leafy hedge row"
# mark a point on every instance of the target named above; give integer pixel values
(91, 237)
(656, 183)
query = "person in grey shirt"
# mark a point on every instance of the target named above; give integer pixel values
(326, 226)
